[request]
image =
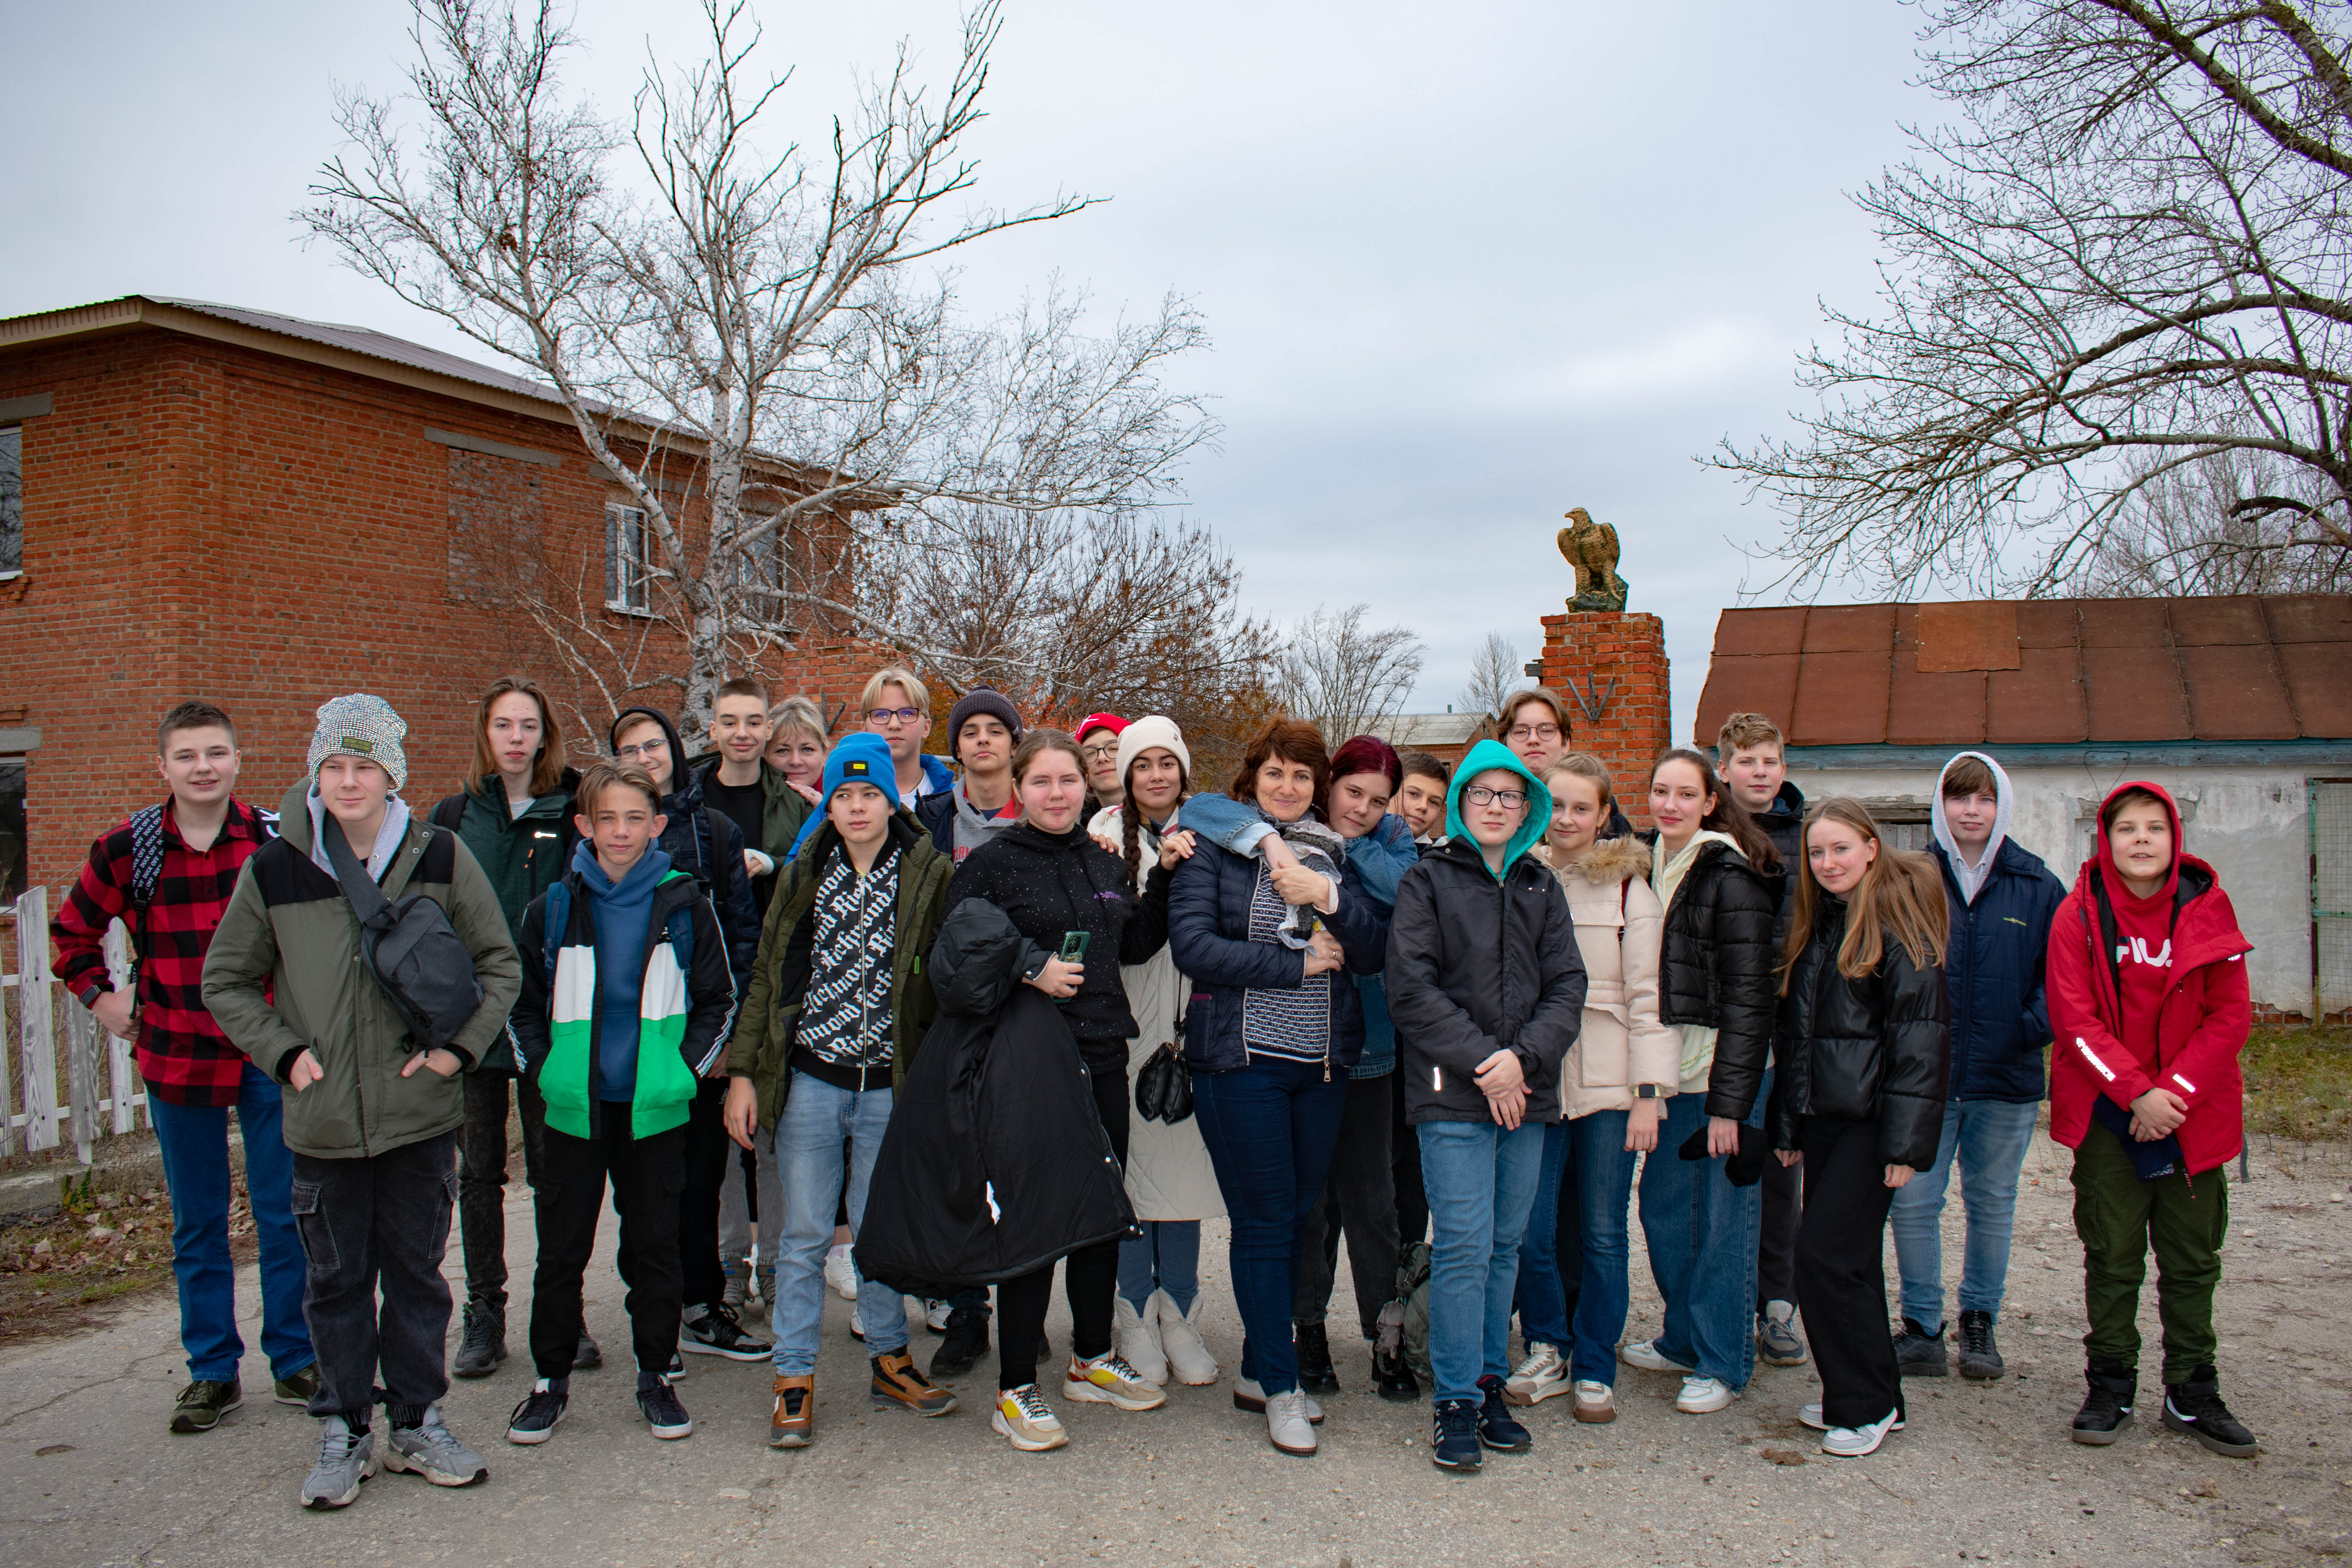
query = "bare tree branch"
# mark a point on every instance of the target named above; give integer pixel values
(1344, 675)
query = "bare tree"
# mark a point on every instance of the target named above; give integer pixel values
(1345, 674)
(757, 346)
(2181, 536)
(2130, 251)
(1496, 671)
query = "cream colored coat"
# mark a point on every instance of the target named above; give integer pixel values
(1168, 1172)
(1620, 933)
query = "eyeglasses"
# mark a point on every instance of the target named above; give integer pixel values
(1534, 733)
(1509, 799)
(646, 749)
(893, 715)
(1100, 754)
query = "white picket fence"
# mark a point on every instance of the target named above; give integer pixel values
(30, 1002)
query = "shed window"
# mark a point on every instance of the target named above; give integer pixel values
(12, 500)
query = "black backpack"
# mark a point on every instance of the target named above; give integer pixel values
(410, 947)
(147, 874)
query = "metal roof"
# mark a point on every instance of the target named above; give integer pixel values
(1418, 731)
(374, 344)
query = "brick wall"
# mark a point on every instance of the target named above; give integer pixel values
(207, 519)
(1615, 661)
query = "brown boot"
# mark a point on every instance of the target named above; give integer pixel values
(898, 1383)
(793, 1424)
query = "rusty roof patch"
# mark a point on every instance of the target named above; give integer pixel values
(1978, 636)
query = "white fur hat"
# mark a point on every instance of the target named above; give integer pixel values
(1151, 729)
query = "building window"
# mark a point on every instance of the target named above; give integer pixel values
(12, 503)
(628, 561)
(1903, 823)
(12, 851)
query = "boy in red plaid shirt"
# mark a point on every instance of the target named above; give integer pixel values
(180, 859)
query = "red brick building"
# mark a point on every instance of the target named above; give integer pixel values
(265, 511)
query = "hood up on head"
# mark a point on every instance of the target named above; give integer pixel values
(2105, 858)
(1485, 757)
(685, 787)
(1971, 878)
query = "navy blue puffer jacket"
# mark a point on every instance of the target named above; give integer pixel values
(1993, 976)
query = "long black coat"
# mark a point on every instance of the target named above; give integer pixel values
(1477, 965)
(995, 1162)
(1878, 1048)
(1719, 967)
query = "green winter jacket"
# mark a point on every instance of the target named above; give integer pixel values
(522, 856)
(783, 808)
(762, 1045)
(284, 973)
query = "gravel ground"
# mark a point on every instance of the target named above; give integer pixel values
(89, 1474)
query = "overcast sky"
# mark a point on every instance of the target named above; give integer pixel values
(1464, 266)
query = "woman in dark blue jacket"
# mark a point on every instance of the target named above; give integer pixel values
(1270, 1032)
(2001, 898)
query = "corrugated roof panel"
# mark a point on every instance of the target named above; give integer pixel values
(1841, 698)
(1739, 633)
(2235, 621)
(1766, 686)
(2122, 623)
(2310, 618)
(2040, 703)
(1850, 629)
(2235, 693)
(2048, 623)
(2319, 679)
(375, 345)
(2134, 693)
(1930, 707)
(1981, 636)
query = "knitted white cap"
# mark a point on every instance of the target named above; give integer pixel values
(1151, 729)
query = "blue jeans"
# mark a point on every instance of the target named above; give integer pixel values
(1539, 1298)
(1166, 1256)
(1604, 1187)
(1990, 1137)
(1702, 1233)
(1270, 1127)
(1482, 1184)
(816, 1121)
(193, 1139)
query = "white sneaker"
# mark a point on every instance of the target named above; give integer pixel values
(1108, 1380)
(1704, 1395)
(1643, 1354)
(841, 1273)
(1541, 1375)
(1137, 1339)
(857, 1322)
(935, 1315)
(1287, 1426)
(1811, 1416)
(1024, 1417)
(1595, 1402)
(1853, 1442)
(1249, 1396)
(1179, 1336)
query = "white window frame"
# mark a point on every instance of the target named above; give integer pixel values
(629, 574)
(9, 574)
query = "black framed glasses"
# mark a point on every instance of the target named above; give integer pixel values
(887, 715)
(1508, 799)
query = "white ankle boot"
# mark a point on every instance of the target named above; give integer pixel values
(1138, 1335)
(1180, 1335)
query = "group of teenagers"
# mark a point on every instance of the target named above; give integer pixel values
(1457, 1016)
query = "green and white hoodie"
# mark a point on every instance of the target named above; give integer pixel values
(685, 1006)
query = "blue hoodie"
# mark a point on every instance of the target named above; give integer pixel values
(623, 911)
(1484, 757)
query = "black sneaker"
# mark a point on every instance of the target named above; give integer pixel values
(2108, 1407)
(1316, 1372)
(1393, 1375)
(1498, 1429)
(1918, 1353)
(1979, 1357)
(482, 1346)
(1454, 1435)
(662, 1411)
(965, 1343)
(2195, 1407)
(590, 1355)
(296, 1390)
(203, 1403)
(534, 1419)
(713, 1331)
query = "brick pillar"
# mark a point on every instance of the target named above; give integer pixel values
(1614, 661)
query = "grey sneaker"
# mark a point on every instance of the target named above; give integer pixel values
(1777, 1343)
(430, 1449)
(345, 1459)
(1918, 1353)
(739, 1290)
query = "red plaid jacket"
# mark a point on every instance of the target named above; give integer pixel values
(182, 1053)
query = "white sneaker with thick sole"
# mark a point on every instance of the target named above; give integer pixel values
(841, 1273)
(1023, 1417)
(1704, 1395)
(1136, 1339)
(1179, 1336)
(1811, 1416)
(1287, 1426)
(1595, 1402)
(1108, 1380)
(1853, 1442)
(1643, 1354)
(1543, 1374)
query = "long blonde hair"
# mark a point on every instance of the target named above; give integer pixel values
(1900, 895)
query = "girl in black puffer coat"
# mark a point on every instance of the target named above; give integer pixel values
(1865, 1054)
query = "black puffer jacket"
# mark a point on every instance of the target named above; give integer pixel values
(1051, 883)
(1477, 965)
(1784, 824)
(1874, 1048)
(1718, 969)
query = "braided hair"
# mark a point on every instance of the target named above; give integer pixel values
(1130, 817)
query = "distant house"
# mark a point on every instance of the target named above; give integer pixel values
(2240, 707)
(1447, 736)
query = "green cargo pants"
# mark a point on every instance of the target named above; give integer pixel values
(2120, 1218)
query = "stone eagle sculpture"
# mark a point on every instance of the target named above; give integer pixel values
(1591, 547)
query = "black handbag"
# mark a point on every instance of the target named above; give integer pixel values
(1163, 1088)
(425, 970)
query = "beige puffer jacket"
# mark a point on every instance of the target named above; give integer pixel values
(1620, 928)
